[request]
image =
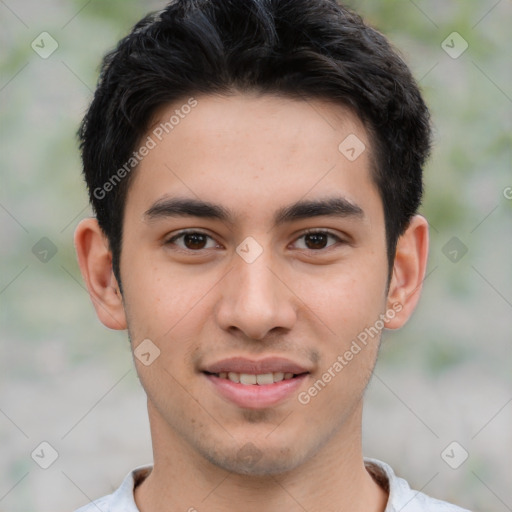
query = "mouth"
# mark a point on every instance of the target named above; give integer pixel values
(252, 384)
(261, 379)
(242, 366)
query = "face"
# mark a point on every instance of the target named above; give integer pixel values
(254, 250)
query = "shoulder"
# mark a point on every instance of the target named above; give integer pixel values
(401, 497)
(122, 500)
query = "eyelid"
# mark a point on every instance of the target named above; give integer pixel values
(183, 232)
(319, 230)
(324, 231)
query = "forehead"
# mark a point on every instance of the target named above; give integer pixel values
(254, 153)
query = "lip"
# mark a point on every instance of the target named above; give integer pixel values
(256, 396)
(256, 367)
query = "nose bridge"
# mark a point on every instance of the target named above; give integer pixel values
(255, 301)
(255, 280)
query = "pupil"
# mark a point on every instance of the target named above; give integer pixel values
(194, 240)
(318, 239)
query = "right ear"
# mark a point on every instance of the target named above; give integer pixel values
(95, 260)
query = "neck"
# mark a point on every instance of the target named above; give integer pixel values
(184, 480)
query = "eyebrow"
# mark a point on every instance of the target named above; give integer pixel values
(188, 207)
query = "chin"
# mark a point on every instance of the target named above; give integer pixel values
(252, 461)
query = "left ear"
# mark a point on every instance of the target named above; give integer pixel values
(408, 272)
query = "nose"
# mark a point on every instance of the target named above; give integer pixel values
(255, 298)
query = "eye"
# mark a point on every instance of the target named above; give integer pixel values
(318, 240)
(192, 241)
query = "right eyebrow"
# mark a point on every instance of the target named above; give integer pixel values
(186, 207)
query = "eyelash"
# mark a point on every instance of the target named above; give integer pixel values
(181, 234)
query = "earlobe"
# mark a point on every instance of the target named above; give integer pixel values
(95, 260)
(408, 271)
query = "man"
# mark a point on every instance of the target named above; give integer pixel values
(256, 167)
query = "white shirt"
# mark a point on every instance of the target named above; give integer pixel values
(401, 497)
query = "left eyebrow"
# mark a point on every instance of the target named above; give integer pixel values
(187, 207)
(333, 207)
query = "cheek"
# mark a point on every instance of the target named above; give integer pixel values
(159, 301)
(346, 298)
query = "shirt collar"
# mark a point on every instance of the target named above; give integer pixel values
(123, 500)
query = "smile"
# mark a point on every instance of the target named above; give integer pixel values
(256, 391)
(261, 379)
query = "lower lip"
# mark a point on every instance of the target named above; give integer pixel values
(255, 396)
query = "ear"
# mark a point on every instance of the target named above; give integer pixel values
(408, 271)
(95, 260)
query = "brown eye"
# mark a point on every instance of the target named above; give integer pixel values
(194, 241)
(317, 240)
(191, 240)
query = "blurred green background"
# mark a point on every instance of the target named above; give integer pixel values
(445, 377)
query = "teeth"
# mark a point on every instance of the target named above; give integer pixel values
(246, 378)
(250, 379)
(265, 378)
(235, 377)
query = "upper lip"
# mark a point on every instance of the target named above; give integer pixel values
(255, 367)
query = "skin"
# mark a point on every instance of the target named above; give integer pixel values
(302, 299)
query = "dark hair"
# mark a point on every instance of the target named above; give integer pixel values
(296, 48)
